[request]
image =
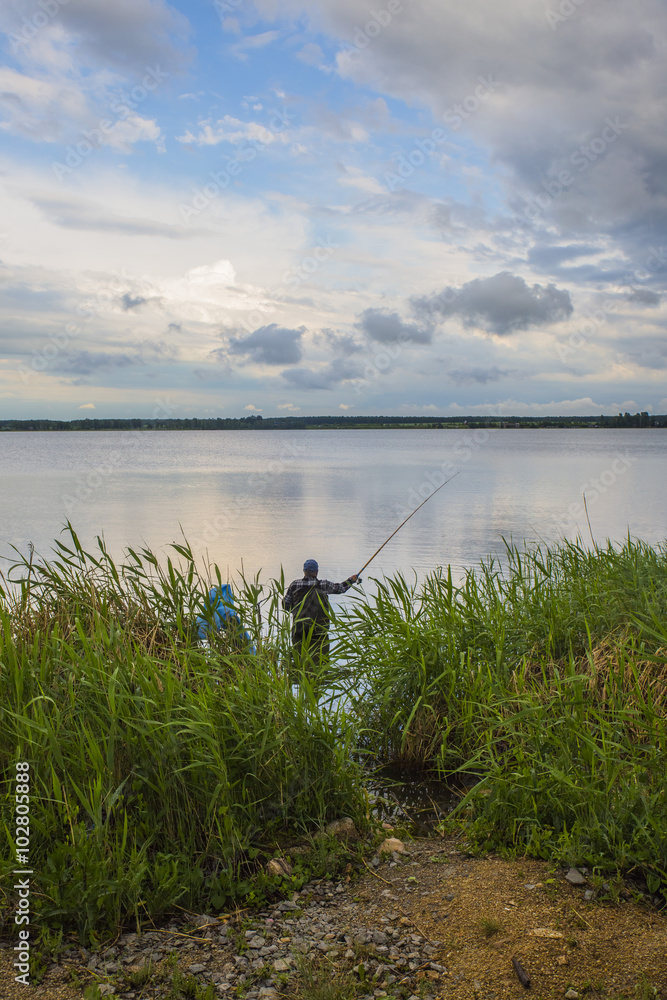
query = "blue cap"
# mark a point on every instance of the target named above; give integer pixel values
(310, 566)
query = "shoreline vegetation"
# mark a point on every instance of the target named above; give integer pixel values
(257, 422)
(165, 774)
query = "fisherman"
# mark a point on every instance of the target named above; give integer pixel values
(308, 601)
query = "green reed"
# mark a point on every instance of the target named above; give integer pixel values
(542, 680)
(162, 771)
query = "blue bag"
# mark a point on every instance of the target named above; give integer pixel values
(224, 617)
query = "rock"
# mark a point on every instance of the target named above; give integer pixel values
(342, 829)
(571, 995)
(546, 932)
(390, 845)
(574, 877)
(562, 960)
(278, 866)
(197, 967)
(280, 965)
(589, 894)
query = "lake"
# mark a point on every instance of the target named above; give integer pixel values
(265, 499)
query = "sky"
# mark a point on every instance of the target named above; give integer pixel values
(267, 206)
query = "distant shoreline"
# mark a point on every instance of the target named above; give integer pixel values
(257, 422)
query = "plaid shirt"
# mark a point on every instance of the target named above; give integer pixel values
(298, 590)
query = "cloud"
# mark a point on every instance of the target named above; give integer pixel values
(87, 406)
(37, 108)
(235, 131)
(645, 296)
(325, 377)
(501, 304)
(250, 43)
(389, 328)
(270, 345)
(83, 214)
(128, 302)
(87, 362)
(356, 178)
(128, 34)
(311, 54)
(460, 376)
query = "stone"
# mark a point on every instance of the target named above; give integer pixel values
(390, 845)
(571, 995)
(278, 866)
(546, 932)
(342, 829)
(197, 967)
(588, 894)
(574, 877)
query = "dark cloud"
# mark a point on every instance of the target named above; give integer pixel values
(645, 296)
(389, 328)
(500, 304)
(87, 362)
(549, 257)
(270, 345)
(82, 214)
(128, 302)
(340, 344)
(460, 376)
(129, 34)
(326, 377)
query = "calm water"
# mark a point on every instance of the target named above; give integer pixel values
(266, 499)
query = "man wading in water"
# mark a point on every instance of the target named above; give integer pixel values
(308, 601)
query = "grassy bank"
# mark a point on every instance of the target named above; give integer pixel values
(545, 684)
(164, 774)
(161, 773)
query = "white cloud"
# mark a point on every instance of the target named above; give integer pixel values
(355, 177)
(134, 128)
(230, 129)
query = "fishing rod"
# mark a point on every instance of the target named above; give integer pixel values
(406, 520)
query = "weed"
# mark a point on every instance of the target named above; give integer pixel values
(490, 927)
(644, 990)
(141, 976)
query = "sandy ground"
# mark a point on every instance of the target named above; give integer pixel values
(484, 912)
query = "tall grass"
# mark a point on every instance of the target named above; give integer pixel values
(160, 769)
(545, 682)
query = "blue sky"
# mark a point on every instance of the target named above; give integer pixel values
(410, 207)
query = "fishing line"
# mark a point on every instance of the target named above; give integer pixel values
(406, 520)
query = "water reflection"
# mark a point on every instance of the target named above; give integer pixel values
(262, 500)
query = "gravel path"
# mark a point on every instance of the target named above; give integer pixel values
(428, 923)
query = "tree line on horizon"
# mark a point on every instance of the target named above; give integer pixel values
(257, 422)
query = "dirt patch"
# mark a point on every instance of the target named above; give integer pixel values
(487, 911)
(479, 914)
